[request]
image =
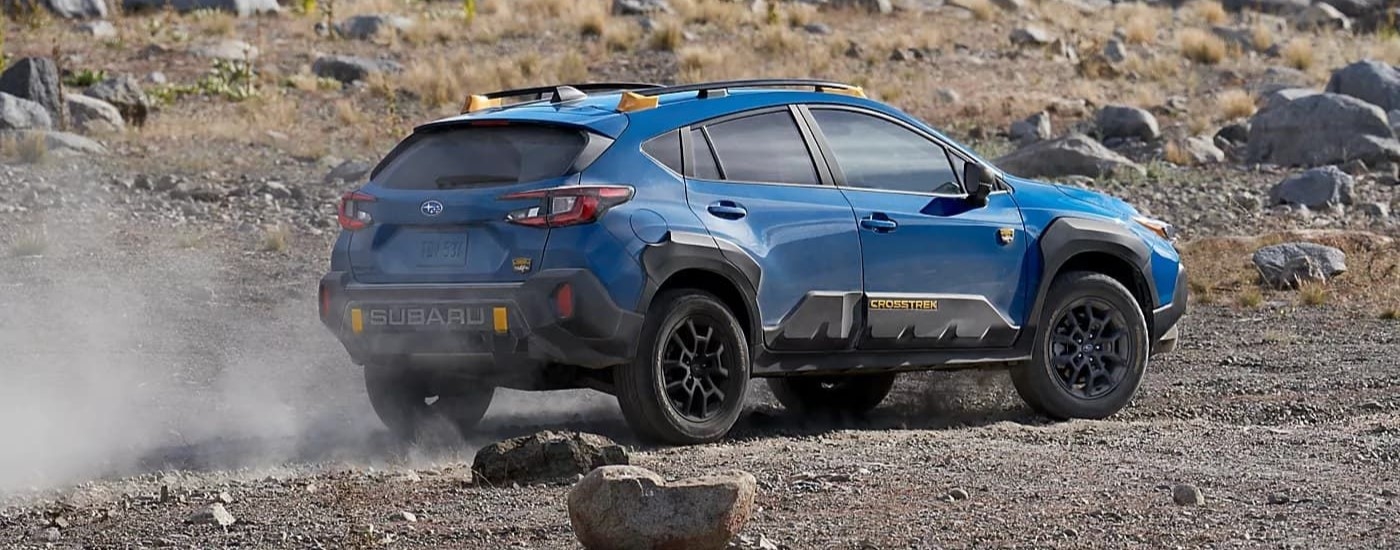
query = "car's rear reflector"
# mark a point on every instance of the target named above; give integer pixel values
(564, 301)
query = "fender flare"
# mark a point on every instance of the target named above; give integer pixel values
(1068, 237)
(682, 251)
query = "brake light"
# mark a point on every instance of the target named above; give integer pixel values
(350, 213)
(570, 205)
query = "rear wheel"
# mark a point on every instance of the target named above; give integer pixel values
(407, 402)
(832, 395)
(1091, 353)
(689, 379)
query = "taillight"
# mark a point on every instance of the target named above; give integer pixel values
(351, 214)
(570, 205)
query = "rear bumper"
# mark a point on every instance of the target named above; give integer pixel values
(1165, 319)
(506, 325)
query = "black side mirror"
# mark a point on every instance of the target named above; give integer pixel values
(980, 183)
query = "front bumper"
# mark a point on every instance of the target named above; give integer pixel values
(1165, 319)
(504, 324)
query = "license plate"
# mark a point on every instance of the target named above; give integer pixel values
(442, 251)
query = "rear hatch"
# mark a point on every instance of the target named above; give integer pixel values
(435, 217)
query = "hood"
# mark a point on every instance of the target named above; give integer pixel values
(1102, 201)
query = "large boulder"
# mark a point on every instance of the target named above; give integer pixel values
(1117, 121)
(348, 69)
(1321, 129)
(627, 507)
(1354, 8)
(1322, 16)
(639, 7)
(241, 8)
(92, 115)
(1370, 81)
(1031, 129)
(22, 114)
(35, 79)
(67, 9)
(58, 144)
(369, 27)
(545, 457)
(124, 93)
(1072, 155)
(1287, 265)
(1314, 188)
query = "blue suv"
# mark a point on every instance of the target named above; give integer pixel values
(668, 244)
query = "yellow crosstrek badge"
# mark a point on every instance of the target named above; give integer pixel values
(1006, 235)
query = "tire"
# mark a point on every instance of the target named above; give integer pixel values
(1095, 379)
(832, 395)
(404, 401)
(658, 389)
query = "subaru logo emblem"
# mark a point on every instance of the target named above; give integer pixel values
(431, 208)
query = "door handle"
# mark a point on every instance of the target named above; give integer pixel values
(728, 210)
(881, 224)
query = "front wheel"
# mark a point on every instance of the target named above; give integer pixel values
(832, 395)
(1091, 352)
(688, 382)
(407, 402)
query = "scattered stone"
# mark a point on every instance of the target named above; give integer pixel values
(1072, 155)
(1283, 7)
(93, 116)
(632, 507)
(1248, 202)
(545, 457)
(1200, 151)
(22, 114)
(872, 6)
(227, 49)
(745, 542)
(224, 497)
(158, 78)
(348, 171)
(52, 534)
(1031, 35)
(98, 29)
(1115, 51)
(1322, 16)
(1277, 498)
(1378, 210)
(1116, 121)
(959, 494)
(1370, 81)
(67, 9)
(241, 8)
(215, 515)
(1031, 129)
(947, 96)
(126, 95)
(348, 69)
(1314, 188)
(1185, 494)
(405, 516)
(1286, 265)
(640, 7)
(35, 79)
(817, 28)
(1321, 129)
(1012, 6)
(1068, 107)
(370, 27)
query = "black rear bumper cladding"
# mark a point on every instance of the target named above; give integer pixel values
(598, 334)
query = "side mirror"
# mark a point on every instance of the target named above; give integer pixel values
(980, 182)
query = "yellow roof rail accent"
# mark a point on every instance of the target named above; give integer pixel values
(632, 101)
(853, 91)
(479, 102)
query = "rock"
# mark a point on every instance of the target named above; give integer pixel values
(545, 457)
(1237, 37)
(1031, 35)
(627, 507)
(1378, 210)
(215, 515)
(35, 79)
(408, 517)
(224, 497)
(1321, 129)
(1315, 188)
(126, 95)
(1234, 134)
(1322, 16)
(1115, 51)
(22, 114)
(241, 8)
(97, 29)
(1012, 6)
(1072, 155)
(1286, 265)
(348, 69)
(1185, 494)
(1031, 129)
(62, 144)
(959, 494)
(1116, 121)
(1199, 151)
(156, 77)
(639, 7)
(91, 115)
(1281, 96)
(1355, 8)
(1268, 6)
(369, 27)
(817, 28)
(947, 96)
(228, 50)
(348, 171)
(1370, 81)
(872, 6)
(67, 9)
(1068, 107)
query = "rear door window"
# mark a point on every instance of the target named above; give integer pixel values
(665, 149)
(765, 147)
(474, 156)
(705, 167)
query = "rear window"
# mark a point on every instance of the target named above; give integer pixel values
(481, 155)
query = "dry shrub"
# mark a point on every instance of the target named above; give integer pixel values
(722, 14)
(1156, 69)
(593, 25)
(777, 41)
(1298, 54)
(1312, 294)
(1261, 37)
(1234, 103)
(983, 10)
(1175, 153)
(1201, 46)
(1249, 298)
(27, 147)
(30, 245)
(348, 114)
(435, 80)
(1210, 12)
(668, 37)
(1391, 313)
(1140, 30)
(276, 238)
(621, 38)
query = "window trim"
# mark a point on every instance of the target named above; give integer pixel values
(814, 154)
(839, 177)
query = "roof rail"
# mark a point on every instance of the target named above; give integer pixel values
(720, 88)
(555, 94)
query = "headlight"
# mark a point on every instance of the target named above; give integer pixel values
(1162, 229)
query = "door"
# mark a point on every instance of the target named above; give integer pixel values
(938, 272)
(753, 182)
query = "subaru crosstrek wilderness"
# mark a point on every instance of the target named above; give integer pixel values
(667, 244)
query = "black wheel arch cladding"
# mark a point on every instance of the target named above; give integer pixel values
(1068, 238)
(695, 256)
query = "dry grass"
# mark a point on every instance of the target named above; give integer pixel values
(1234, 103)
(347, 113)
(1222, 265)
(435, 80)
(621, 38)
(1157, 69)
(30, 245)
(668, 36)
(719, 13)
(1140, 30)
(1249, 298)
(1391, 313)
(982, 10)
(1176, 153)
(1298, 54)
(276, 238)
(778, 41)
(27, 148)
(1313, 294)
(1201, 46)
(593, 25)
(1261, 37)
(1210, 12)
